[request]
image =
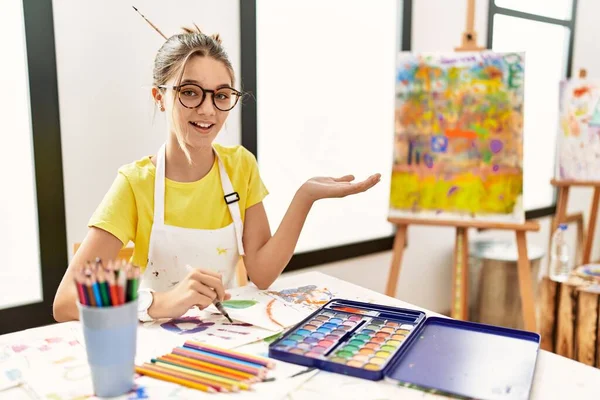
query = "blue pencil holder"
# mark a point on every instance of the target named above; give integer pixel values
(110, 335)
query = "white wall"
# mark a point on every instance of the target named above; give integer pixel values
(105, 52)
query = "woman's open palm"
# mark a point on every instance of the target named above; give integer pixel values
(326, 187)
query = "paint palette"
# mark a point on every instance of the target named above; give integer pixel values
(353, 338)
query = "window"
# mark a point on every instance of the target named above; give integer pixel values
(544, 31)
(306, 123)
(32, 218)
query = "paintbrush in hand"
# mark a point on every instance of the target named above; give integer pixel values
(216, 301)
(222, 310)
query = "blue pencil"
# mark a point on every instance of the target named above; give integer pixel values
(96, 292)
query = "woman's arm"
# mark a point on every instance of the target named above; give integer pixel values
(266, 255)
(97, 243)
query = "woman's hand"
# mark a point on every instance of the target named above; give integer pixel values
(323, 187)
(199, 288)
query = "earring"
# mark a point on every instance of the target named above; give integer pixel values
(162, 108)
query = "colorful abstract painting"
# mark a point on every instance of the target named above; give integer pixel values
(458, 150)
(579, 131)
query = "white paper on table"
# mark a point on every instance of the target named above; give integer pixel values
(251, 305)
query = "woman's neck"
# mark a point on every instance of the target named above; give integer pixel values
(178, 167)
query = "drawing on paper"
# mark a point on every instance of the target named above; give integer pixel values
(309, 295)
(248, 304)
(187, 325)
(239, 304)
(458, 143)
(579, 131)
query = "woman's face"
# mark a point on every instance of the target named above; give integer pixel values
(198, 126)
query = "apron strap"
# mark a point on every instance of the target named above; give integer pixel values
(232, 199)
(159, 187)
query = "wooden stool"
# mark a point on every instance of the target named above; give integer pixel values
(570, 319)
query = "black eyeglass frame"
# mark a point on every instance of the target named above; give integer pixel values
(238, 95)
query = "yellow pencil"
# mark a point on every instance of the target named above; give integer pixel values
(173, 379)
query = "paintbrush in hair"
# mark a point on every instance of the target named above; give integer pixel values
(151, 24)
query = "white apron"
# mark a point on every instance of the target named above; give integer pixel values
(172, 248)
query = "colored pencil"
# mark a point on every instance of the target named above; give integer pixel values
(129, 273)
(230, 353)
(112, 288)
(244, 376)
(229, 384)
(204, 369)
(96, 291)
(194, 354)
(121, 284)
(90, 291)
(225, 356)
(173, 379)
(102, 286)
(80, 290)
(135, 283)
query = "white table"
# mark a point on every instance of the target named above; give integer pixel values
(555, 377)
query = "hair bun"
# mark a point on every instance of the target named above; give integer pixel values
(188, 30)
(196, 30)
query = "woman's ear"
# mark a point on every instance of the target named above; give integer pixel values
(158, 98)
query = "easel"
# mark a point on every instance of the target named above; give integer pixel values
(460, 280)
(563, 197)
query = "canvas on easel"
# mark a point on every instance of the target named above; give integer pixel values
(458, 144)
(579, 130)
(578, 150)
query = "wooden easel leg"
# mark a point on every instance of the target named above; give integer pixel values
(460, 278)
(525, 283)
(399, 242)
(589, 240)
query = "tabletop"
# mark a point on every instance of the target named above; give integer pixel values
(53, 365)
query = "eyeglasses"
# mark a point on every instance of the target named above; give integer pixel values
(192, 96)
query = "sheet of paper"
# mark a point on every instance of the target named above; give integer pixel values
(251, 305)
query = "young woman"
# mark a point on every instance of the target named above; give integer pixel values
(194, 203)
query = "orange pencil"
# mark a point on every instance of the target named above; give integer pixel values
(173, 379)
(114, 296)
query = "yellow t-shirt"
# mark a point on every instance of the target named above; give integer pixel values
(127, 210)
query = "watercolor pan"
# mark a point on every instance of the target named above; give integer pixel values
(403, 345)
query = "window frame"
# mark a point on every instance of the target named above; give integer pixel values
(570, 24)
(250, 134)
(47, 152)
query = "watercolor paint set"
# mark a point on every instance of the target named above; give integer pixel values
(375, 342)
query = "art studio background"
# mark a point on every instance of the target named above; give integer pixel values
(81, 92)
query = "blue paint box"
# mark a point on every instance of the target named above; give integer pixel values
(375, 342)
